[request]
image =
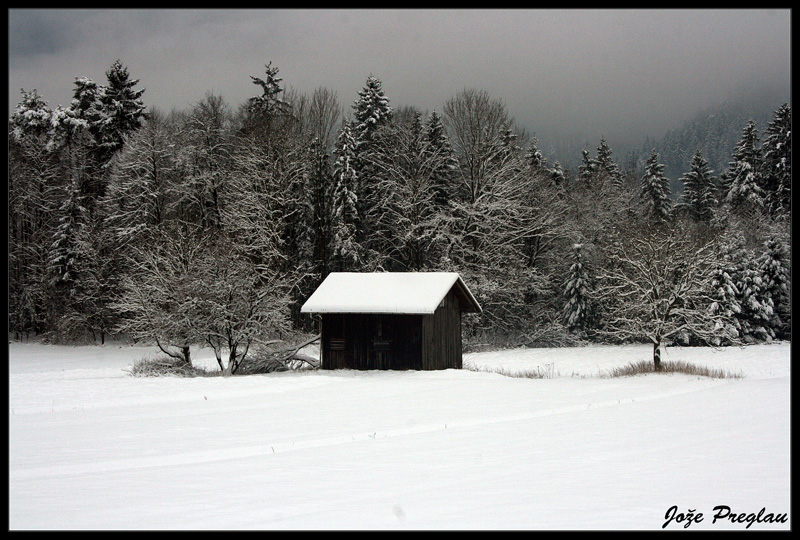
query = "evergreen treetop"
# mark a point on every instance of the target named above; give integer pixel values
(655, 189)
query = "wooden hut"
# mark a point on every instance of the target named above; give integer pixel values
(391, 320)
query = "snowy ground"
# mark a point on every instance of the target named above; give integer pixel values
(91, 447)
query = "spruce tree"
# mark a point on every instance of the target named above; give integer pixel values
(442, 161)
(536, 161)
(654, 191)
(270, 101)
(64, 252)
(122, 107)
(741, 181)
(577, 310)
(725, 297)
(776, 168)
(31, 118)
(557, 177)
(586, 169)
(344, 211)
(753, 300)
(775, 271)
(698, 198)
(606, 170)
(371, 110)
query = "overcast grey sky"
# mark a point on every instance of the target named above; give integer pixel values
(616, 73)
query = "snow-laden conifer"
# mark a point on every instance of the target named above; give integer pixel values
(741, 181)
(371, 110)
(654, 191)
(536, 161)
(557, 176)
(776, 167)
(31, 116)
(123, 109)
(774, 267)
(698, 198)
(577, 307)
(442, 159)
(606, 170)
(344, 211)
(586, 168)
(270, 101)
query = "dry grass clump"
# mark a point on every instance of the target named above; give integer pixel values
(634, 368)
(669, 366)
(547, 372)
(162, 366)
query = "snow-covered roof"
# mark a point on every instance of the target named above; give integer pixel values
(387, 292)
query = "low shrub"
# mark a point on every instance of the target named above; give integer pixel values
(669, 366)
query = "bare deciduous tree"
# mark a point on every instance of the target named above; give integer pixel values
(657, 287)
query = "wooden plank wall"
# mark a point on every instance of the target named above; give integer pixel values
(441, 335)
(371, 341)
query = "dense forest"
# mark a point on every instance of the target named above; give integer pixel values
(211, 226)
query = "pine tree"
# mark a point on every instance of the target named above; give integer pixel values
(344, 212)
(269, 102)
(441, 158)
(67, 258)
(606, 170)
(95, 125)
(741, 181)
(774, 268)
(31, 118)
(698, 198)
(557, 177)
(586, 169)
(536, 161)
(577, 309)
(725, 304)
(508, 142)
(654, 191)
(123, 109)
(86, 105)
(756, 308)
(757, 305)
(371, 113)
(371, 110)
(776, 167)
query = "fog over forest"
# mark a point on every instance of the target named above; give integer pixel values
(569, 77)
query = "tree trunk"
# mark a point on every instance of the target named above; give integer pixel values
(232, 364)
(657, 356)
(186, 355)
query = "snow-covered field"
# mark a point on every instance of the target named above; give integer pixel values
(91, 447)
